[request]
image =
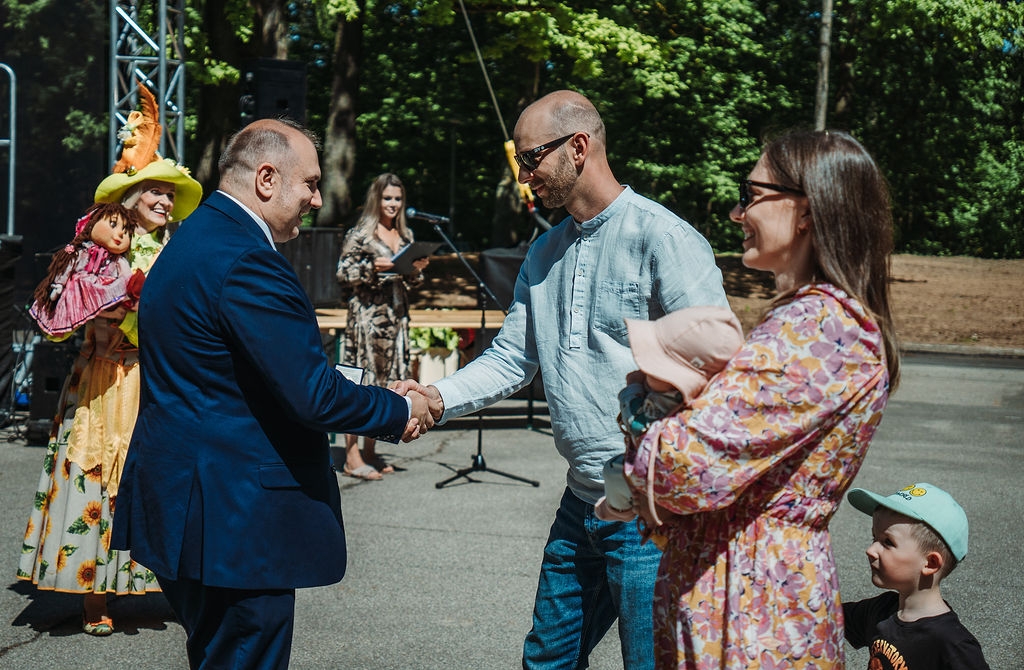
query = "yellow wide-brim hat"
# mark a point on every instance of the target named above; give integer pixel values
(187, 191)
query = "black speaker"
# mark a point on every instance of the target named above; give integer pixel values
(499, 269)
(273, 88)
(10, 254)
(51, 363)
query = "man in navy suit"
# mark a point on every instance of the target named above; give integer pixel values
(228, 493)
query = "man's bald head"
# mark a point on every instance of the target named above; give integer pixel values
(263, 140)
(565, 112)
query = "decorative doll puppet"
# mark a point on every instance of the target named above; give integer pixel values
(90, 274)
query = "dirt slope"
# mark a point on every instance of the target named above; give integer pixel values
(963, 301)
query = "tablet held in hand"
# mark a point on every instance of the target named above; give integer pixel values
(410, 253)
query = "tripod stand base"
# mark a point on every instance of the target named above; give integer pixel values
(479, 465)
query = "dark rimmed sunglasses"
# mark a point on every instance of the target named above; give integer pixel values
(745, 185)
(530, 159)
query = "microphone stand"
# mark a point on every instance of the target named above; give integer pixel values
(478, 464)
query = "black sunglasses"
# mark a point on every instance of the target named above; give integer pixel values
(745, 185)
(530, 159)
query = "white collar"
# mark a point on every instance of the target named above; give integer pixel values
(259, 222)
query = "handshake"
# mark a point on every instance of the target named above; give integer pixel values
(427, 407)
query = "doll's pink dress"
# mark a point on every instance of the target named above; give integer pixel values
(96, 281)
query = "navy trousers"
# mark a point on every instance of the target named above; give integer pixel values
(233, 628)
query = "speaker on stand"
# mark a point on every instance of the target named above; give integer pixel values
(500, 269)
(10, 254)
(51, 364)
(272, 88)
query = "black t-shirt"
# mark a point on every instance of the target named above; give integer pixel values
(932, 643)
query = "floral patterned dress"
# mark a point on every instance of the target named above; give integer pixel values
(754, 471)
(377, 329)
(67, 540)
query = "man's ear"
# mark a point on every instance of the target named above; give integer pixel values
(266, 180)
(933, 563)
(579, 148)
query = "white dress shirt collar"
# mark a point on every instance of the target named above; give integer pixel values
(259, 222)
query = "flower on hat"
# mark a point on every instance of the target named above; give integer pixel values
(178, 166)
(139, 160)
(140, 135)
(126, 133)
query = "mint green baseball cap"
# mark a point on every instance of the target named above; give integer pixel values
(924, 502)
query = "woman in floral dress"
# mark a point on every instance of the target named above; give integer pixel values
(377, 332)
(67, 540)
(753, 471)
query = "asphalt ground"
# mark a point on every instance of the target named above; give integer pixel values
(445, 577)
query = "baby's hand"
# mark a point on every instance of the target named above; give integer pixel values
(616, 490)
(617, 503)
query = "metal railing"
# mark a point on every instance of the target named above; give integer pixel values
(9, 142)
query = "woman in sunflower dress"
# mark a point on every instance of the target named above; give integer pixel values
(377, 331)
(751, 473)
(67, 540)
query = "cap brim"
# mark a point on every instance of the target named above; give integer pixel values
(868, 502)
(865, 501)
(187, 191)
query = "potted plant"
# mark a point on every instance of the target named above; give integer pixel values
(437, 350)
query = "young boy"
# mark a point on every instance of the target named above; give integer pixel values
(920, 535)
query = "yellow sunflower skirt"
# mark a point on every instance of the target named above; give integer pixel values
(67, 540)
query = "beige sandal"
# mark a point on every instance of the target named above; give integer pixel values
(367, 472)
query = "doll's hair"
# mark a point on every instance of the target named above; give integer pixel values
(66, 255)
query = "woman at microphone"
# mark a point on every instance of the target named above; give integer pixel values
(377, 332)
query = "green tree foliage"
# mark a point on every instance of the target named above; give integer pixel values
(688, 92)
(934, 89)
(61, 102)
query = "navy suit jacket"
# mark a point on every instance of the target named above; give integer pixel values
(228, 479)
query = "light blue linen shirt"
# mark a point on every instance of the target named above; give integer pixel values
(577, 285)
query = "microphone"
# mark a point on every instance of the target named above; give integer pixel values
(414, 213)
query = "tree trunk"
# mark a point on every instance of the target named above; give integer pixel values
(339, 155)
(824, 47)
(270, 38)
(217, 105)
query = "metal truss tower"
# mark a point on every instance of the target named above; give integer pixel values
(156, 60)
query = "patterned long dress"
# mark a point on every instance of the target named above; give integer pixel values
(754, 471)
(67, 540)
(377, 329)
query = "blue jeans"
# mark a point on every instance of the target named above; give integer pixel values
(593, 572)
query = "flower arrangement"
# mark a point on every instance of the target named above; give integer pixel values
(432, 338)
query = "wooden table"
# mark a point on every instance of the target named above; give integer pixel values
(332, 320)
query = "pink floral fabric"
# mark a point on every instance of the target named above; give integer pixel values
(97, 280)
(753, 471)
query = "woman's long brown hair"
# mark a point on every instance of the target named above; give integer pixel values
(851, 211)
